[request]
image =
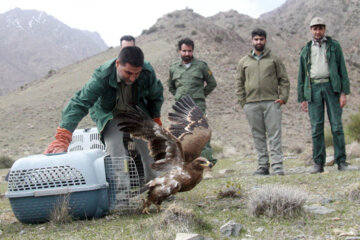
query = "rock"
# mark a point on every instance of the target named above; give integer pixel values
(259, 230)
(189, 236)
(330, 161)
(226, 171)
(207, 174)
(352, 238)
(318, 209)
(231, 229)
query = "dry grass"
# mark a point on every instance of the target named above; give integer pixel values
(353, 192)
(61, 214)
(277, 201)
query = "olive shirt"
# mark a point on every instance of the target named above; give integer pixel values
(100, 96)
(190, 81)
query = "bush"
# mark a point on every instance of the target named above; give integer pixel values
(151, 30)
(353, 127)
(218, 39)
(6, 162)
(193, 32)
(277, 201)
(180, 25)
(232, 190)
(353, 193)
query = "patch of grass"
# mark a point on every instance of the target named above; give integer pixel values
(217, 149)
(353, 193)
(61, 214)
(232, 190)
(6, 162)
(276, 201)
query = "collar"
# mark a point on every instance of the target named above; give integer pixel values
(319, 42)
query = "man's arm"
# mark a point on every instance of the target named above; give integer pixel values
(210, 81)
(171, 83)
(155, 98)
(283, 82)
(240, 82)
(345, 83)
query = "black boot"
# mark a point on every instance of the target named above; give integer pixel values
(318, 168)
(261, 171)
(343, 166)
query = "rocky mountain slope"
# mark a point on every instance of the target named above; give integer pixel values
(29, 116)
(34, 43)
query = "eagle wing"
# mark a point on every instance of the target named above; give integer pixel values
(163, 146)
(190, 127)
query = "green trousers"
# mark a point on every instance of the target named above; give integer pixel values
(207, 151)
(322, 94)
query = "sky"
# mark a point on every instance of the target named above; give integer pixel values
(112, 19)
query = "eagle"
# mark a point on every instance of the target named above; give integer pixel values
(176, 150)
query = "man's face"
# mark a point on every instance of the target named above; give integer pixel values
(186, 53)
(318, 31)
(127, 73)
(125, 43)
(258, 43)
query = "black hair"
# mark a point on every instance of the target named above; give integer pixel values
(258, 32)
(131, 55)
(187, 42)
(127, 38)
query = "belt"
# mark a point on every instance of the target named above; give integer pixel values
(319, 80)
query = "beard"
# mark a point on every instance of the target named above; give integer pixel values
(187, 59)
(126, 81)
(259, 47)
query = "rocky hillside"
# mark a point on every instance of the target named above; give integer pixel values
(29, 116)
(33, 43)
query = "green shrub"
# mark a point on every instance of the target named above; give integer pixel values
(353, 127)
(180, 25)
(218, 39)
(6, 162)
(151, 30)
(193, 32)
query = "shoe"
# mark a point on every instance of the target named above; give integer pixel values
(343, 166)
(279, 172)
(318, 168)
(261, 171)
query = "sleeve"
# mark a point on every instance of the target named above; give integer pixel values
(171, 83)
(283, 81)
(240, 83)
(79, 105)
(345, 83)
(155, 99)
(301, 79)
(209, 79)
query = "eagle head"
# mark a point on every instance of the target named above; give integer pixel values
(201, 163)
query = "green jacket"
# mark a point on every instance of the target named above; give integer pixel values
(99, 95)
(190, 81)
(261, 80)
(338, 75)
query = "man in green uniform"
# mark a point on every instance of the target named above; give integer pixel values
(192, 76)
(323, 80)
(125, 80)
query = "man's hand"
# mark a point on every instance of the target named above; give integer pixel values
(61, 143)
(304, 106)
(342, 100)
(280, 101)
(158, 121)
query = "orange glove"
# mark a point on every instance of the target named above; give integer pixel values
(61, 143)
(158, 121)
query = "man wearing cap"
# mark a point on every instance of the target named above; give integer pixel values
(323, 79)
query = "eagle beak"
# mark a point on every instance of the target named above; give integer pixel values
(207, 164)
